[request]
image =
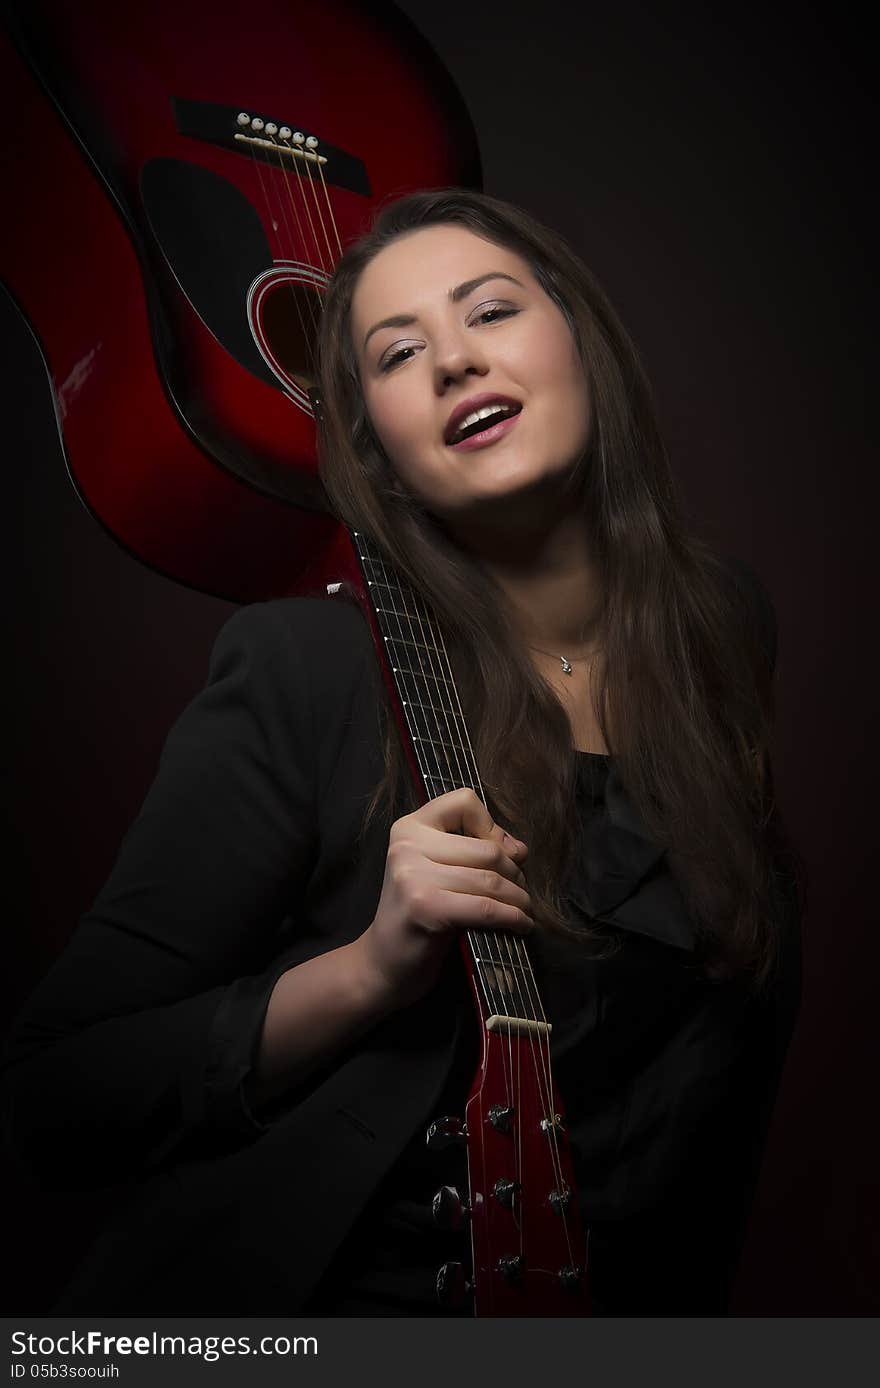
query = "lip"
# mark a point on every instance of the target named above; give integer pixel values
(488, 435)
(476, 402)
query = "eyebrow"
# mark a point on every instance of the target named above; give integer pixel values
(461, 291)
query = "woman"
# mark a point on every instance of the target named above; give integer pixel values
(251, 1029)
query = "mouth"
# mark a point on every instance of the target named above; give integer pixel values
(484, 433)
(485, 437)
(477, 412)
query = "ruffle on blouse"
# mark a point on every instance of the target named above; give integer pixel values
(620, 876)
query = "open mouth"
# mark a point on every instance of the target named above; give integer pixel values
(485, 431)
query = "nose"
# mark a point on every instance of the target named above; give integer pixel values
(456, 356)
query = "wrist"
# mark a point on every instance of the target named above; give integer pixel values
(371, 989)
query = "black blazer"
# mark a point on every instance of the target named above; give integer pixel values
(127, 1066)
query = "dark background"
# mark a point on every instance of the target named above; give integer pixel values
(715, 174)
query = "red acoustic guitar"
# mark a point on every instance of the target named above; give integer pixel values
(188, 177)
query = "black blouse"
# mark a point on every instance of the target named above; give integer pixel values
(668, 1082)
(128, 1067)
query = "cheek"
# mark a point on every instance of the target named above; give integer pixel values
(549, 361)
(571, 371)
(400, 429)
(395, 413)
(389, 424)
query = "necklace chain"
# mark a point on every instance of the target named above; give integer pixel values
(556, 655)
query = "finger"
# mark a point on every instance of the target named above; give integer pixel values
(513, 846)
(457, 812)
(459, 850)
(463, 812)
(466, 912)
(482, 882)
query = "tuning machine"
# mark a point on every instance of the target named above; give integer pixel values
(446, 1132)
(452, 1285)
(450, 1211)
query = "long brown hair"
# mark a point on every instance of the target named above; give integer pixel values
(683, 695)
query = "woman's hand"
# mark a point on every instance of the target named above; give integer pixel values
(449, 867)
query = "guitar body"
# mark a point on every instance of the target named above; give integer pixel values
(170, 272)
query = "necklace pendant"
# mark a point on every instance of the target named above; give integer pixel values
(566, 667)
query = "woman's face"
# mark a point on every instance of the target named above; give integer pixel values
(472, 321)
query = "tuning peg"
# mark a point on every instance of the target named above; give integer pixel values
(505, 1192)
(570, 1276)
(559, 1200)
(501, 1117)
(452, 1285)
(511, 1267)
(448, 1208)
(445, 1132)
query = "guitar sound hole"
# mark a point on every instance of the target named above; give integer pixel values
(290, 314)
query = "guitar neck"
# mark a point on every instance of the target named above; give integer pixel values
(418, 664)
(528, 1252)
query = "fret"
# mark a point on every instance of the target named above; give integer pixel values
(396, 588)
(437, 732)
(502, 964)
(430, 708)
(392, 612)
(432, 742)
(440, 681)
(454, 770)
(416, 645)
(446, 784)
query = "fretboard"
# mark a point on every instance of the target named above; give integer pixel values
(420, 668)
(419, 664)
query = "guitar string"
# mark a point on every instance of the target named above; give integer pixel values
(292, 240)
(546, 1073)
(511, 944)
(521, 968)
(329, 205)
(514, 974)
(311, 182)
(256, 161)
(508, 942)
(373, 561)
(497, 1003)
(514, 944)
(464, 777)
(305, 204)
(294, 148)
(461, 776)
(432, 703)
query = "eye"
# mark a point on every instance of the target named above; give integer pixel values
(394, 358)
(482, 316)
(497, 309)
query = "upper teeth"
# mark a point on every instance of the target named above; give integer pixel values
(484, 413)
